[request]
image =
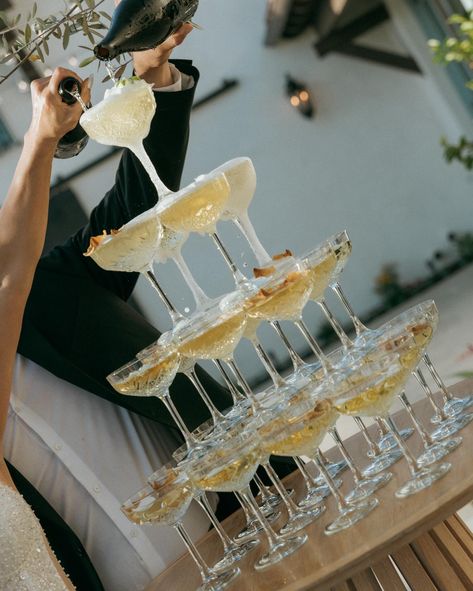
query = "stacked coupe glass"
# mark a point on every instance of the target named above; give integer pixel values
(360, 378)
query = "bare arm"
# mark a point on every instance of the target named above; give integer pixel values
(23, 217)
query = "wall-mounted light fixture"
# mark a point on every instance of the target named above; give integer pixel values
(300, 97)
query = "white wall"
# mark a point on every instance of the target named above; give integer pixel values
(369, 162)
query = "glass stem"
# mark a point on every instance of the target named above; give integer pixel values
(426, 439)
(236, 395)
(215, 413)
(200, 298)
(382, 427)
(374, 450)
(447, 396)
(279, 486)
(324, 458)
(346, 456)
(410, 459)
(204, 503)
(341, 334)
(190, 440)
(140, 152)
(205, 572)
(296, 360)
(326, 366)
(360, 328)
(439, 412)
(243, 383)
(309, 481)
(268, 364)
(238, 276)
(248, 499)
(245, 226)
(265, 494)
(173, 313)
(341, 503)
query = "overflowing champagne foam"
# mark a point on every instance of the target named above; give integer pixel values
(131, 249)
(123, 118)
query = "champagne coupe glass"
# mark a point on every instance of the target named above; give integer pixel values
(282, 296)
(166, 503)
(453, 406)
(326, 269)
(232, 552)
(195, 208)
(228, 466)
(214, 333)
(302, 436)
(421, 321)
(241, 177)
(374, 396)
(123, 118)
(152, 376)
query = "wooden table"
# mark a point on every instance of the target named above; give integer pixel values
(419, 537)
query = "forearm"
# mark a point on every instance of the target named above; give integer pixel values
(24, 214)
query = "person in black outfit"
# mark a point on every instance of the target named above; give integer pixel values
(79, 326)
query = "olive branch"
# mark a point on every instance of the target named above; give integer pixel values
(26, 38)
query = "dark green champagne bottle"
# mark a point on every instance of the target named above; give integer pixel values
(75, 140)
(143, 24)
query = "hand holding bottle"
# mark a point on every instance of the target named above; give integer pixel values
(51, 117)
(152, 65)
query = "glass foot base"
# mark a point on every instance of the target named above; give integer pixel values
(437, 451)
(382, 462)
(279, 551)
(388, 442)
(219, 580)
(457, 405)
(252, 529)
(235, 554)
(315, 496)
(351, 515)
(424, 479)
(301, 520)
(366, 487)
(452, 426)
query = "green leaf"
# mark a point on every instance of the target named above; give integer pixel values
(66, 36)
(45, 46)
(87, 61)
(34, 10)
(40, 53)
(118, 73)
(456, 19)
(105, 15)
(27, 33)
(5, 58)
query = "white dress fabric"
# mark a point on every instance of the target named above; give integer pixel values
(86, 456)
(25, 561)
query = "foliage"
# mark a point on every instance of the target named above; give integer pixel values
(457, 49)
(27, 37)
(464, 245)
(388, 285)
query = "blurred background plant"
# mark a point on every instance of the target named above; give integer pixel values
(457, 49)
